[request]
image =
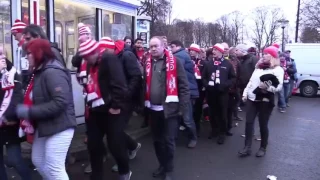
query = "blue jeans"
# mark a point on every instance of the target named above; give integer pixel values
(14, 159)
(283, 95)
(189, 123)
(290, 88)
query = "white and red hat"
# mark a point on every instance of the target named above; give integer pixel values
(88, 47)
(18, 26)
(83, 29)
(272, 50)
(276, 45)
(219, 47)
(195, 47)
(107, 42)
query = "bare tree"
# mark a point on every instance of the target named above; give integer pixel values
(157, 10)
(237, 26)
(265, 27)
(311, 13)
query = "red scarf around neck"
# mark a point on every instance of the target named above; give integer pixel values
(25, 124)
(197, 72)
(82, 75)
(286, 75)
(171, 79)
(93, 89)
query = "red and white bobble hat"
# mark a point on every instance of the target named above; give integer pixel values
(107, 42)
(18, 26)
(87, 47)
(83, 29)
(276, 45)
(195, 47)
(219, 47)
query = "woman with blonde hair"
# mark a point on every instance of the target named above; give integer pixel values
(266, 80)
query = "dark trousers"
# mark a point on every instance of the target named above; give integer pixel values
(263, 111)
(14, 159)
(164, 133)
(218, 109)
(99, 125)
(237, 100)
(197, 109)
(232, 108)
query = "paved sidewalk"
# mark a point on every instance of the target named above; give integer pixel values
(78, 145)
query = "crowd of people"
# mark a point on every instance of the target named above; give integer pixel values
(170, 85)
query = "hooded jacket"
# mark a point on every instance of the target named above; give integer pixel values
(185, 59)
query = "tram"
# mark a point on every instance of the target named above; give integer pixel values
(59, 19)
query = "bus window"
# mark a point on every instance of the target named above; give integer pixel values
(69, 14)
(5, 29)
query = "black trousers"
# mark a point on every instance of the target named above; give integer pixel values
(238, 99)
(198, 109)
(99, 125)
(263, 111)
(218, 110)
(164, 133)
(232, 106)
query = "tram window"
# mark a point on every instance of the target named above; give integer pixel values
(5, 27)
(69, 14)
(43, 11)
(116, 25)
(25, 11)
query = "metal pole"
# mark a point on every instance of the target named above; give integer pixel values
(297, 21)
(283, 38)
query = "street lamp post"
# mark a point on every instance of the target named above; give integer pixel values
(283, 23)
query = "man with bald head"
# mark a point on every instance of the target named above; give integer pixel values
(167, 97)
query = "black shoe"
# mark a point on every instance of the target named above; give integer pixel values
(125, 176)
(220, 140)
(246, 151)
(168, 176)
(261, 152)
(229, 133)
(213, 135)
(159, 172)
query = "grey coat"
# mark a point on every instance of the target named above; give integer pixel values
(53, 108)
(174, 109)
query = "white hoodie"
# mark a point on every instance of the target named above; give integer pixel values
(255, 81)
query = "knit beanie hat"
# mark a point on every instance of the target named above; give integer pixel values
(107, 42)
(195, 47)
(83, 29)
(276, 45)
(88, 47)
(219, 47)
(243, 48)
(18, 26)
(273, 51)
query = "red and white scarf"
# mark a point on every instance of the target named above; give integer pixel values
(93, 89)
(26, 126)
(197, 72)
(171, 79)
(82, 75)
(286, 75)
(7, 85)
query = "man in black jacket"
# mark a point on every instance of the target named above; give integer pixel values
(167, 97)
(108, 98)
(218, 76)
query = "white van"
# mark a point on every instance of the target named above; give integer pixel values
(307, 59)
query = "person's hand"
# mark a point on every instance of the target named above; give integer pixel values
(244, 98)
(114, 111)
(22, 111)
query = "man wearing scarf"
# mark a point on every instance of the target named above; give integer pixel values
(84, 34)
(194, 51)
(107, 97)
(167, 96)
(21, 63)
(134, 80)
(218, 76)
